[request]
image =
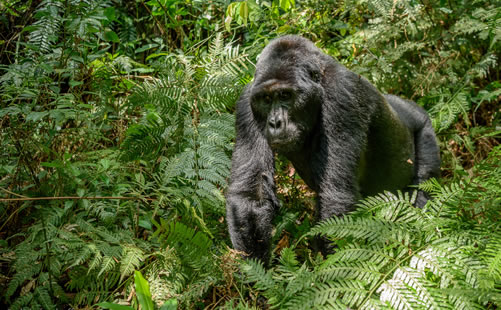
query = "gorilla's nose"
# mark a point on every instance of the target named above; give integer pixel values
(275, 122)
(275, 125)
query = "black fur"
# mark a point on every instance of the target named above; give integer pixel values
(343, 137)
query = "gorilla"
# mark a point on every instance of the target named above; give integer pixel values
(344, 138)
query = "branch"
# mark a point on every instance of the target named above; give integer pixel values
(74, 198)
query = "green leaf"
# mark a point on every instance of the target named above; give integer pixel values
(145, 47)
(9, 168)
(36, 116)
(74, 83)
(80, 192)
(143, 70)
(170, 304)
(140, 178)
(286, 5)
(77, 58)
(244, 11)
(108, 305)
(446, 10)
(109, 12)
(143, 291)
(30, 28)
(227, 23)
(111, 36)
(154, 55)
(52, 164)
(145, 223)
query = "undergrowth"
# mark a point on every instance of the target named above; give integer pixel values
(116, 133)
(389, 254)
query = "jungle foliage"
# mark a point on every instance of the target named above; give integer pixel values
(116, 133)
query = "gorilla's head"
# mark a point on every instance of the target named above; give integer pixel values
(287, 91)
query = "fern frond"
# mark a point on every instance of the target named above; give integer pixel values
(288, 260)
(416, 287)
(481, 68)
(338, 294)
(96, 260)
(256, 272)
(22, 301)
(398, 295)
(450, 106)
(392, 207)
(492, 257)
(443, 197)
(26, 273)
(43, 297)
(371, 229)
(47, 25)
(355, 252)
(297, 282)
(366, 271)
(430, 185)
(464, 299)
(107, 264)
(190, 244)
(132, 258)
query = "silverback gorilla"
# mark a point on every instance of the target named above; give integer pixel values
(343, 137)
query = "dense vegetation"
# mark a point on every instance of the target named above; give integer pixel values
(116, 132)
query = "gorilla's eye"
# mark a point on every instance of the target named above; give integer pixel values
(284, 95)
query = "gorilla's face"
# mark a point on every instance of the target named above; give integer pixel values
(286, 99)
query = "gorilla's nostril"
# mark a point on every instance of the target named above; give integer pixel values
(275, 123)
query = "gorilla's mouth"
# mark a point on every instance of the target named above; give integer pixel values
(277, 143)
(281, 142)
(288, 138)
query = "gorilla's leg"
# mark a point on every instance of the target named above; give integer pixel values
(329, 207)
(427, 154)
(427, 163)
(338, 188)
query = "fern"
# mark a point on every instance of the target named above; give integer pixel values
(492, 258)
(187, 265)
(186, 126)
(189, 89)
(373, 230)
(448, 107)
(434, 259)
(189, 243)
(132, 258)
(197, 174)
(46, 29)
(110, 255)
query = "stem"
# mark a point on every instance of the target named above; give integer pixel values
(47, 256)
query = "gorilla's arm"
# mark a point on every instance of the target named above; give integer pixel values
(350, 101)
(337, 189)
(251, 200)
